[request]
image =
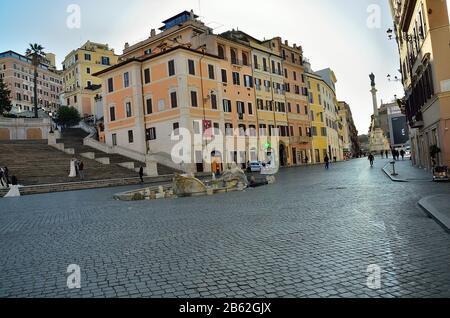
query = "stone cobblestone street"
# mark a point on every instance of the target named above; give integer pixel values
(312, 234)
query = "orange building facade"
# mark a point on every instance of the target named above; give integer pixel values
(188, 79)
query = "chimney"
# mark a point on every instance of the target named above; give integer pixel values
(295, 45)
(127, 45)
(152, 33)
(286, 42)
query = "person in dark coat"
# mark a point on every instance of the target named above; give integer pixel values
(327, 162)
(371, 159)
(81, 169)
(402, 153)
(141, 174)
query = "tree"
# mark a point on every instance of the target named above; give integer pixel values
(67, 116)
(5, 101)
(37, 55)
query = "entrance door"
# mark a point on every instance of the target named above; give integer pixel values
(294, 156)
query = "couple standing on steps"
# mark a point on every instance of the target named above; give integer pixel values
(76, 168)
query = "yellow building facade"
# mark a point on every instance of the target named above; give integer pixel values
(78, 68)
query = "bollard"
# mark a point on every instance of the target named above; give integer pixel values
(393, 169)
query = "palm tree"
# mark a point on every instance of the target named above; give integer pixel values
(37, 55)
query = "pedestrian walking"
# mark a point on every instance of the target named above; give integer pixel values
(141, 174)
(387, 154)
(306, 160)
(335, 159)
(402, 153)
(397, 154)
(327, 162)
(371, 159)
(81, 169)
(6, 175)
(3, 183)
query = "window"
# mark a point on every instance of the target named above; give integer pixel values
(147, 77)
(258, 83)
(321, 117)
(273, 67)
(148, 52)
(89, 83)
(227, 106)
(224, 76)
(236, 78)
(323, 131)
(255, 62)
(130, 136)
(295, 75)
(211, 74)
(265, 65)
(196, 125)
(240, 107)
(228, 129)
(300, 131)
(250, 108)
(221, 52)
(289, 108)
(298, 109)
(105, 60)
(260, 104)
(150, 133)
(149, 106)
(112, 113)
(191, 66)
(126, 79)
(114, 139)
(128, 109)
(87, 57)
(216, 129)
(194, 102)
(88, 70)
(173, 100)
(234, 59)
(262, 130)
(110, 85)
(213, 101)
(75, 98)
(291, 131)
(248, 81)
(176, 129)
(171, 68)
(244, 59)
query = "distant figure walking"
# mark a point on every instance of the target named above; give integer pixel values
(402, 153)
(371, 159)
(306, 160)
(3, 181)
(141, 174)
(335, 159)
(387, 154)
(397, 155)
(327, 162)
(80, 166)
(382, 154)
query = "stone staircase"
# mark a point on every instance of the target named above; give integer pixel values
(35, 163)
(73, 144)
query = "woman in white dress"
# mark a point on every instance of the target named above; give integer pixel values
(73, 170)
(13, 189)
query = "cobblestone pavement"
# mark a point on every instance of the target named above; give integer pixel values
(313, 234)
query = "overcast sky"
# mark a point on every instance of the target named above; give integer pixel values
(333, 33)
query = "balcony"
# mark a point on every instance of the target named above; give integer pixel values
(300, 140)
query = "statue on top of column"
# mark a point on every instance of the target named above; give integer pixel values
(372, 79)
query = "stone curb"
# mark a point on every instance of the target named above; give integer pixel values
(434, 212)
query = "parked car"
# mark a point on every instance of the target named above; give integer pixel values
(440, 174)
(255, 166)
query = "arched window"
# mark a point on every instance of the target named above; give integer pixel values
(244, 58)
(221, 52)
(233, 56)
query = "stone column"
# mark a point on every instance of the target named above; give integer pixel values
(375, 106)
